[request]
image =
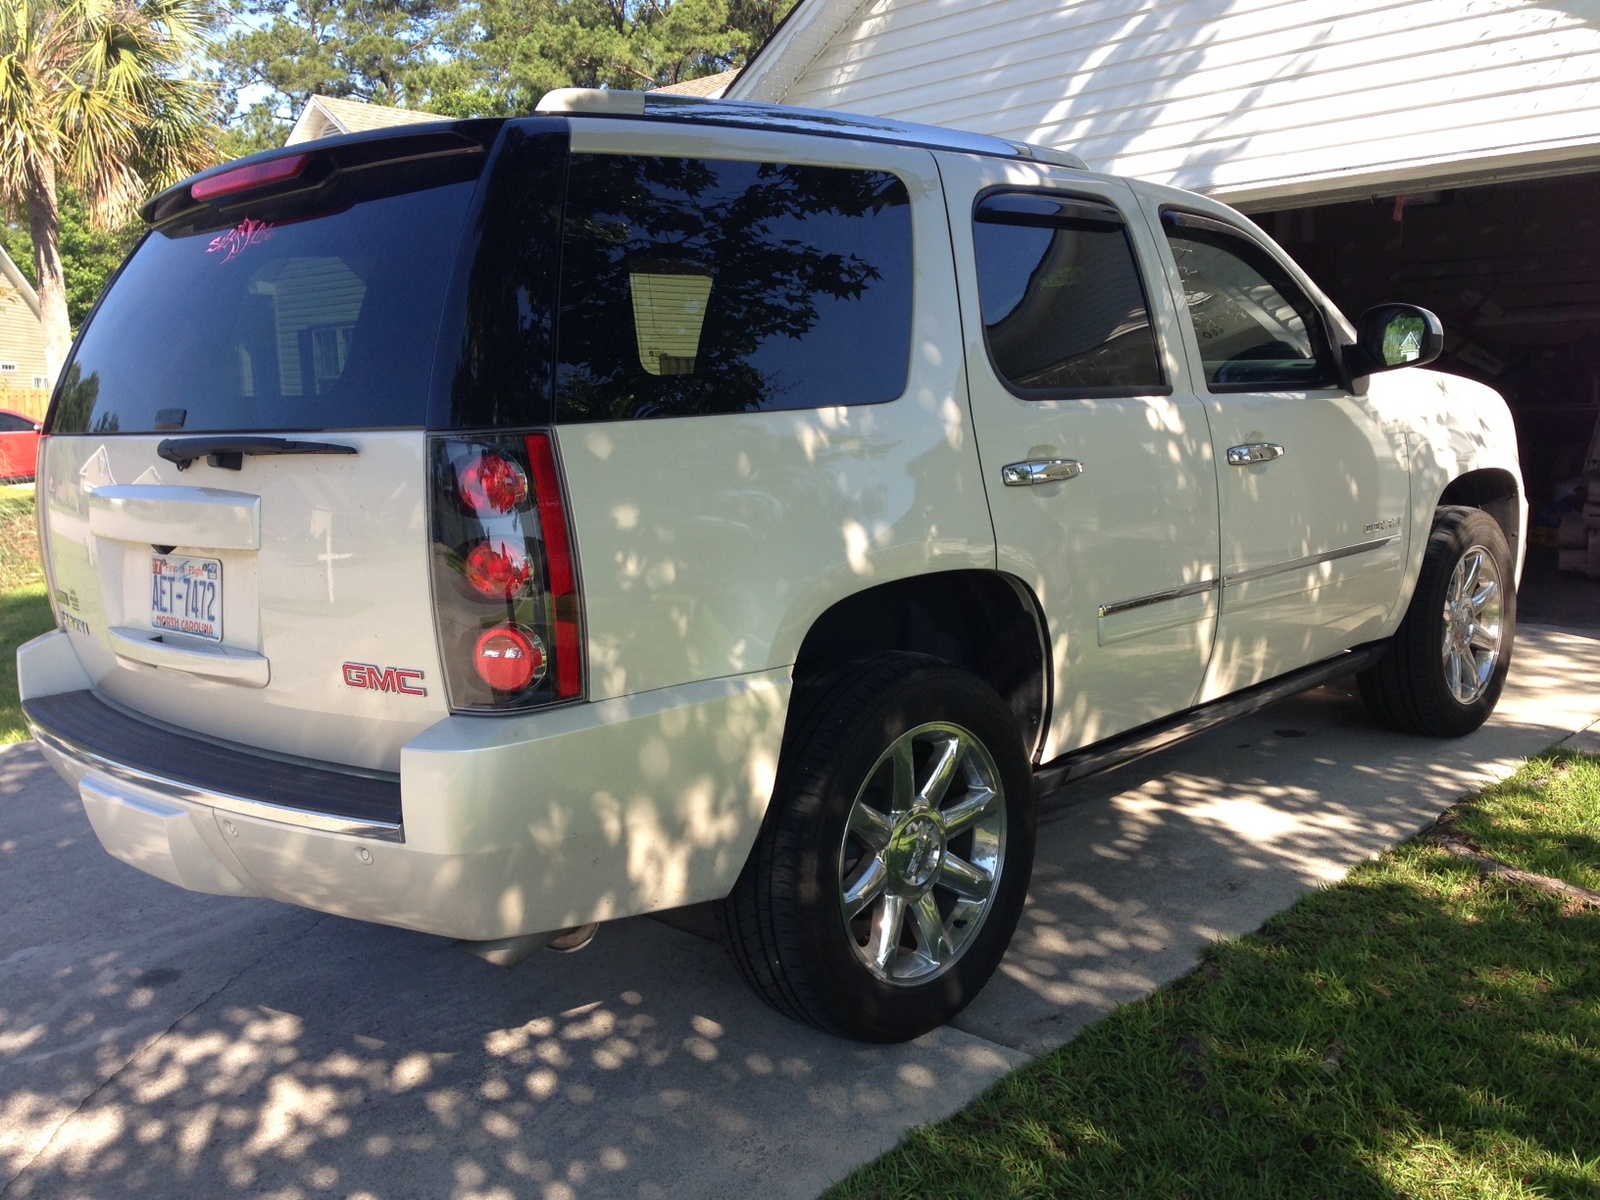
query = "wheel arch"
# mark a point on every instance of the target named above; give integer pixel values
(1497, 492)
(986, 622)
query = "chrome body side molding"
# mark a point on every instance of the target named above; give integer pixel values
(1300, 564)
(1177, 593)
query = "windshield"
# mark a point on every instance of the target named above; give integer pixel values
(293, 317)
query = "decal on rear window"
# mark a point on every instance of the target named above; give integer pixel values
(249, 232)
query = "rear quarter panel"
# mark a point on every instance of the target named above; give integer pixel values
(710, 544)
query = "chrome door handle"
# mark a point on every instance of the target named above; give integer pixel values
(1254, 452)
(1040, 470)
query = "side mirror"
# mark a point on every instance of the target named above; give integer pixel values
(1394, 335)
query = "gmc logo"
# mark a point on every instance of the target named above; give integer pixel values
(388, 679)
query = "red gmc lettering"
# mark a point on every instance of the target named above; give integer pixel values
(388, 679)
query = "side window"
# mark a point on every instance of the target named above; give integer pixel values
(1064, 309)
(1255, 327)
(10, 423)
(691, 287)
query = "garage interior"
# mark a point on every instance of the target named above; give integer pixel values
(1513, 271)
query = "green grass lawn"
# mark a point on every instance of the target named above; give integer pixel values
(1418, 1030)
(24, 608)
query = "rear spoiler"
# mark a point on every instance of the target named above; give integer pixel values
(322, 160)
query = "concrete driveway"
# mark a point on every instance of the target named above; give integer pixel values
(158, 1043)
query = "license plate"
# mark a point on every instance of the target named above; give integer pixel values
(186, 595)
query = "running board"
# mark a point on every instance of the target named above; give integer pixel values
(1158, 735)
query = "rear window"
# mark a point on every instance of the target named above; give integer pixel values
(312, 314)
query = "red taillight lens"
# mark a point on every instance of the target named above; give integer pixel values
(493, 483)
(563, 576)
(242, 179)
(506, 595)
(498, 568)
(509, 658)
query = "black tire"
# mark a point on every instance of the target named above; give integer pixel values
(785, 922)
(1423, 684)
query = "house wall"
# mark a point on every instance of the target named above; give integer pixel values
(21, 348)
(1250, 100)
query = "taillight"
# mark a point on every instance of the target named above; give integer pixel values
(492, 483)
(498, 568)
(509, 659)
(505, 576)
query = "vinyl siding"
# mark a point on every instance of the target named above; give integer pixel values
(22, 343)
(1245, 98)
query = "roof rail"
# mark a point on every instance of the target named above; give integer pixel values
(746, 114)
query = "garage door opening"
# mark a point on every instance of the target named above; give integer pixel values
(1513, 270)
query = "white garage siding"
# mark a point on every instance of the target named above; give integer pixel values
(1252, 100)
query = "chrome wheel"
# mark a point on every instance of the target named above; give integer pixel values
(1472, 620)
(923, 849)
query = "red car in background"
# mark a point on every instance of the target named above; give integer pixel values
(19, 445)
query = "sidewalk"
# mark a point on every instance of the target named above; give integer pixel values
(157, 1043)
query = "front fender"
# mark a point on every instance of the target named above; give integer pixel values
(1455, 427)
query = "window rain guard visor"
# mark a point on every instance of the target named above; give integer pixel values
(1256, 328)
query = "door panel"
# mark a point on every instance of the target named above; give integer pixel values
(1122, 553)
(1312, 481)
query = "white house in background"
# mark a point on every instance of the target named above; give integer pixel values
(1248, 100)
(1441, 151)
(326, 116)
(22, 361)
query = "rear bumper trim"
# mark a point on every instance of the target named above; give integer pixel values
(83, 728)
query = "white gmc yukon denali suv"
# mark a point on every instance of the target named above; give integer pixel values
(495, 527)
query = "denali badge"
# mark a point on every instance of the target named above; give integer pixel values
(387, 679)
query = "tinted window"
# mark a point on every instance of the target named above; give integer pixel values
(692, 287)
(500, 371)
(11, 423)
(1255, 327)
(1063, 306)
(311, 314)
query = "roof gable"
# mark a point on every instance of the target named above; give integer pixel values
(330, 116)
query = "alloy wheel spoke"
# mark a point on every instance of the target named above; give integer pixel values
(1486, 637)
(1470, 579)
(964, 879)
(978, 803)
(870, 826)
(943, 770)
(935, 938)
(905, 781)
(886, 927)
(870, 877)
(1481, 598)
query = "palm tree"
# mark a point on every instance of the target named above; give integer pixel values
(93, 93)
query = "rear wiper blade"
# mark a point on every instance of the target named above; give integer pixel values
(228, 452)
